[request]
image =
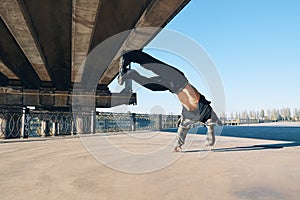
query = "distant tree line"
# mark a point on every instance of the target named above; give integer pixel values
(283, 114)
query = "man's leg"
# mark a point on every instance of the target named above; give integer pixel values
(148, 62)
(153, 84)
(211, 123)
(184, 127)
(208, 116)
(210, 136)
(169, 76)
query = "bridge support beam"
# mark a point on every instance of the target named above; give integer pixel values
(48, 98)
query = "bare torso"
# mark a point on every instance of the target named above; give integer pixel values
(189, 97)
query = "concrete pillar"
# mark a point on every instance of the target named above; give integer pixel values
(133, 122)
(47, 128)
(25, 123)
(43, 127)
(85, 122)
(55, 129)
(93, 122)
(79, 125)
(61, 127)
(73, 132)
(2, 127)
(160, 122)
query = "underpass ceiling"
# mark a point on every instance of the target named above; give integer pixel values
(44, 43)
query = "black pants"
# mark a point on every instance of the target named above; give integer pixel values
(168, 77)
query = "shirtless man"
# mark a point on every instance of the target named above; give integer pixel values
(195, 107)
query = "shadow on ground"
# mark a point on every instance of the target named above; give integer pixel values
(250, 148)
(289, 134)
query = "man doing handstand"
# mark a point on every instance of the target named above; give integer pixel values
(195, 107)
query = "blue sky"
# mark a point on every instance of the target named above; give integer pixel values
(255, 46)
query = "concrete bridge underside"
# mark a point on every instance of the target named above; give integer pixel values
(44, 43)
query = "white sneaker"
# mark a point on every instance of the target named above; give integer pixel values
(121, 79)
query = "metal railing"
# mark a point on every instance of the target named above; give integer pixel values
(25, 123)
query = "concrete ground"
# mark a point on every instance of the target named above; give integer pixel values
(71, 168)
